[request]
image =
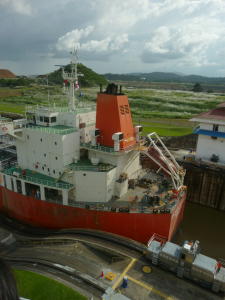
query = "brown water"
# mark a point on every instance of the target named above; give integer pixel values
(206, 225)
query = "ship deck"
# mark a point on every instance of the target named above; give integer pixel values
(150, 184)
(57, 129)
(37, 178)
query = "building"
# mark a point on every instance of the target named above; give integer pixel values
(211, 135)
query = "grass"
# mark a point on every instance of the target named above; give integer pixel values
(160, 109)
(167, 131)
(7, 107)
(38, 287)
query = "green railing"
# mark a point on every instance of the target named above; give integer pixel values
(101, 168)
(60, 185)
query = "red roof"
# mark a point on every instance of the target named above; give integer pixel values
(221, 104)
(215, 114)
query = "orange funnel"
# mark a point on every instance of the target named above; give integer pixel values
(113, 115)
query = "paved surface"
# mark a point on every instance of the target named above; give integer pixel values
(92, 261)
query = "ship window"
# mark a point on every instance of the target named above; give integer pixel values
(44, 154)
(55, 143)
(56, 157)
(53, 171)
(215, 127)
(46, 119)
(183, 256)
(28, 137)
(48, 170)
(41, 119)
(121, 109)
(53, 119)
(60, 173)
(41, 140)
(43, 168)
(126, 109)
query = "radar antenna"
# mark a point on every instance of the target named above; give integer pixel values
(72, 78)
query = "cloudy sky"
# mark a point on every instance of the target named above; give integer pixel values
(114, 36)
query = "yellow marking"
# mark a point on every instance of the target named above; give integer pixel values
(110, 276)
(123, 274)
(147, 269)
(150, 288)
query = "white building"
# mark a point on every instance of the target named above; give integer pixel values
(211, 135)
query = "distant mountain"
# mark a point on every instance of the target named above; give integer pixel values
(165, 77)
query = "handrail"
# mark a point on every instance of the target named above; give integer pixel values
(100, 168)
(110, 150)
(41, 181)
(50, 129)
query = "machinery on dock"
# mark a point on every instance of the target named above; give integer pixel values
(186, 261)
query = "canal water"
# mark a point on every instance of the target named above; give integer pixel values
(206, 225)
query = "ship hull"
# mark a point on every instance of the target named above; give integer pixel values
(136, 226)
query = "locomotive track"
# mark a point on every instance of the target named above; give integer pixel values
(67, 271)
(120, 244)
(61, 272)
(69, 278)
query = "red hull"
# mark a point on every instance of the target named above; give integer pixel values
(136, 226)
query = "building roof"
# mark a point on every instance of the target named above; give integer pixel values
(213, 114)
(221, 104)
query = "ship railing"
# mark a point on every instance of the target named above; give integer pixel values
(49, 108)
(54, 131)
(105, 207)
(6, 145)
(40, 181)
(101, 168)
(111, 150)
(158, 238)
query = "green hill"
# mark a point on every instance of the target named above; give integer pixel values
(166, 77)
(89, 79)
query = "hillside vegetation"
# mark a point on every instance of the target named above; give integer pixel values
(166, 77)
(89, 79)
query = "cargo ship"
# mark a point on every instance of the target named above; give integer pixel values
(79, 167)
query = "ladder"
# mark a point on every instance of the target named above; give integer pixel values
(216, 285)
(180, 272)
(155, 258)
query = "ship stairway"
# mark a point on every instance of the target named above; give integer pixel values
(180, 272)
(155, 258)
(67, 170)
(170, 166)
(216, 285)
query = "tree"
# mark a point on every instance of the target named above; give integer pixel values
(197, 87)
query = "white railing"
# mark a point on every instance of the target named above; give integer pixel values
(50, 129)
(49, 108)
(111, 150)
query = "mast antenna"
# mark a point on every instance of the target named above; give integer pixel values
(72, 78)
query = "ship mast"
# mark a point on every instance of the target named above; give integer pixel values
(72, 78)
